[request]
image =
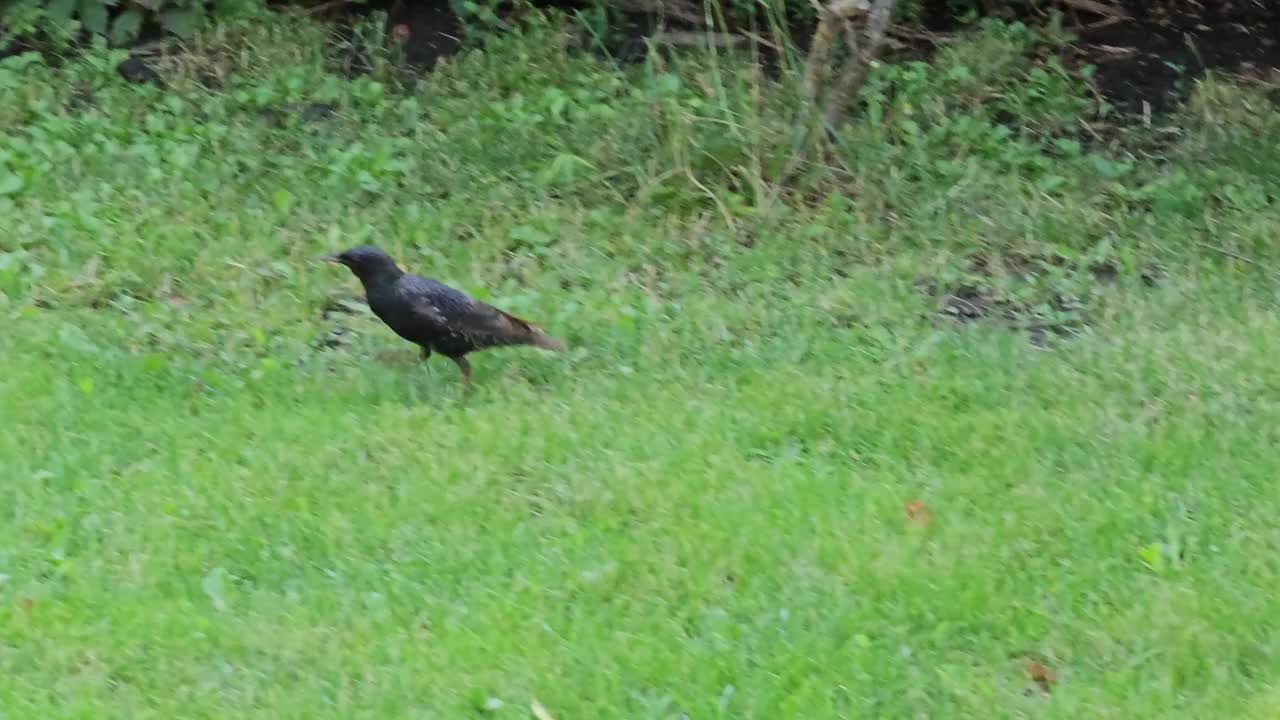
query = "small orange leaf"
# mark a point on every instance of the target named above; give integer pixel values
(1043, 676)
(28, 605)
(918, 513)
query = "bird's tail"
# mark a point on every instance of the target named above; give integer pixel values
(545, 341)
(522, 332)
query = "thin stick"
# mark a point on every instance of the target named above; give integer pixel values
(1228, 253)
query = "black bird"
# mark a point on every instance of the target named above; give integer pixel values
(433, 315)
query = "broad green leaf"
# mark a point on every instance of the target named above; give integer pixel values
(93, 14)
(10, 183)
(1153, 556)
(182, 22)
(126, 26)
(60, 10)
(283, 200)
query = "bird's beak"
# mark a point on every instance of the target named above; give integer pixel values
(332, 259)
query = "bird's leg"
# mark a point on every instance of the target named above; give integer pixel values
(426, 355)
(465, 367)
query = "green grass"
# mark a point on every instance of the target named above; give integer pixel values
(699, 510)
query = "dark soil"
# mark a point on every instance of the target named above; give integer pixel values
(429, 30)
(1147, 62)
(135, 70)
(1147, 53)
(426, 30)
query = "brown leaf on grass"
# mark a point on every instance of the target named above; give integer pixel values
(1043, 676)
(918, 513)
(400, 33)
(28, 605)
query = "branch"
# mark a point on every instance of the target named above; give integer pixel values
(829, 16)
(815, 66)
(860, 58)
(816, 71)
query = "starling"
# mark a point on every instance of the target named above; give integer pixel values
(433, 315)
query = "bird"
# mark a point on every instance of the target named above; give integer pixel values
(432, 315)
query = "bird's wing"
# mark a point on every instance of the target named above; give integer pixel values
(424, 300)
(451, 310)
(487, 325)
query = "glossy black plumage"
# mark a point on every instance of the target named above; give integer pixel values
(436, 317)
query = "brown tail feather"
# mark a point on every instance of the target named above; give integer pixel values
(546, 342)
(533, 336)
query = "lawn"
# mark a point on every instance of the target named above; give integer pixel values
(766, 480)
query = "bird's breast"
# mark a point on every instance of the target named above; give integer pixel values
(403, 323)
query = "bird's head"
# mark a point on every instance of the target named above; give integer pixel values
(367, 262)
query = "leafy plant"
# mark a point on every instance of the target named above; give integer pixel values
(119, 21)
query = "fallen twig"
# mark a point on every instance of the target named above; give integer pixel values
(319, 9)
(1098, 25)
(1095, 7)
(761, 41)
(1229, 253)
(922, 35)
(673, 9)
(702, 39)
